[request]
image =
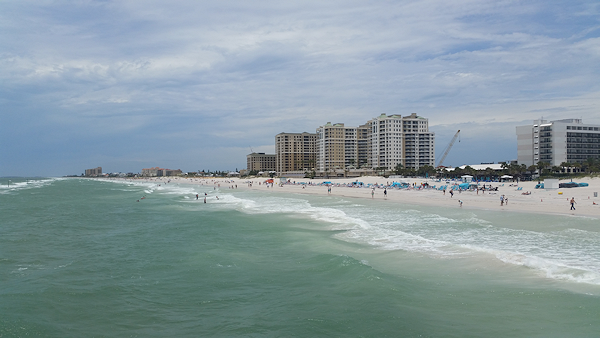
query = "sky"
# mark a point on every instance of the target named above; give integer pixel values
(198, 85)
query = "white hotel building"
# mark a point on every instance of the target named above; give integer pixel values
(401, 140)
(555, 142)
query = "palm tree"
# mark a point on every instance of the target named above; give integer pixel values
(398, 169)
(504, 167)
(351, 161)
(589, 163)
(541, 165)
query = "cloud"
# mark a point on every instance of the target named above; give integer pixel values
(150, 77)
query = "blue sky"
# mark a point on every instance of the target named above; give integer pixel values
(196, 85)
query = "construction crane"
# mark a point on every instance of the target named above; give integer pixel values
(447, 150)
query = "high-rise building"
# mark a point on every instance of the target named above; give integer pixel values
(295, 152)
(383, 142)
(362, 141)
(261, 162)
(555, 142)
(401, 140)
(419, 142)
(337, 147)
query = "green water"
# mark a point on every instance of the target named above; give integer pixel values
(84, 258)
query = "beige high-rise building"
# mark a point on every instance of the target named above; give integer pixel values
(295, 152)
(341, 147)
(334, 143)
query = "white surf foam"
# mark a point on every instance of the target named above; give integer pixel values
(28, 184)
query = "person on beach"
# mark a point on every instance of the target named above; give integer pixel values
(501, 200)
(572, 203)
(385, 192)
(459, 201)
(451, 193)
(372, 193)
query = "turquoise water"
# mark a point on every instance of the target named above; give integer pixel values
(84, 258)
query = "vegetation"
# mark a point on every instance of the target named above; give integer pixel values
(426, 170)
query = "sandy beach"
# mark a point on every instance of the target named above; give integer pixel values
(541, 201)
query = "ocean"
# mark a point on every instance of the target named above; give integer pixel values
(93, 258)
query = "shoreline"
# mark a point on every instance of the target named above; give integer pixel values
(540, 201)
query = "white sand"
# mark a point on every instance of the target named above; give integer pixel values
(540, 201)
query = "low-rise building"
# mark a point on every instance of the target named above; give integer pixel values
(93, 172)
(159, 172)
(261, 162)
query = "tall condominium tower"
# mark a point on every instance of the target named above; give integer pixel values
(337, 146)
(401, 140)
(295, 151)
(419, 142)
(555, 142)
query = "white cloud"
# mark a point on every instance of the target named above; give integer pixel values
(237, 73)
